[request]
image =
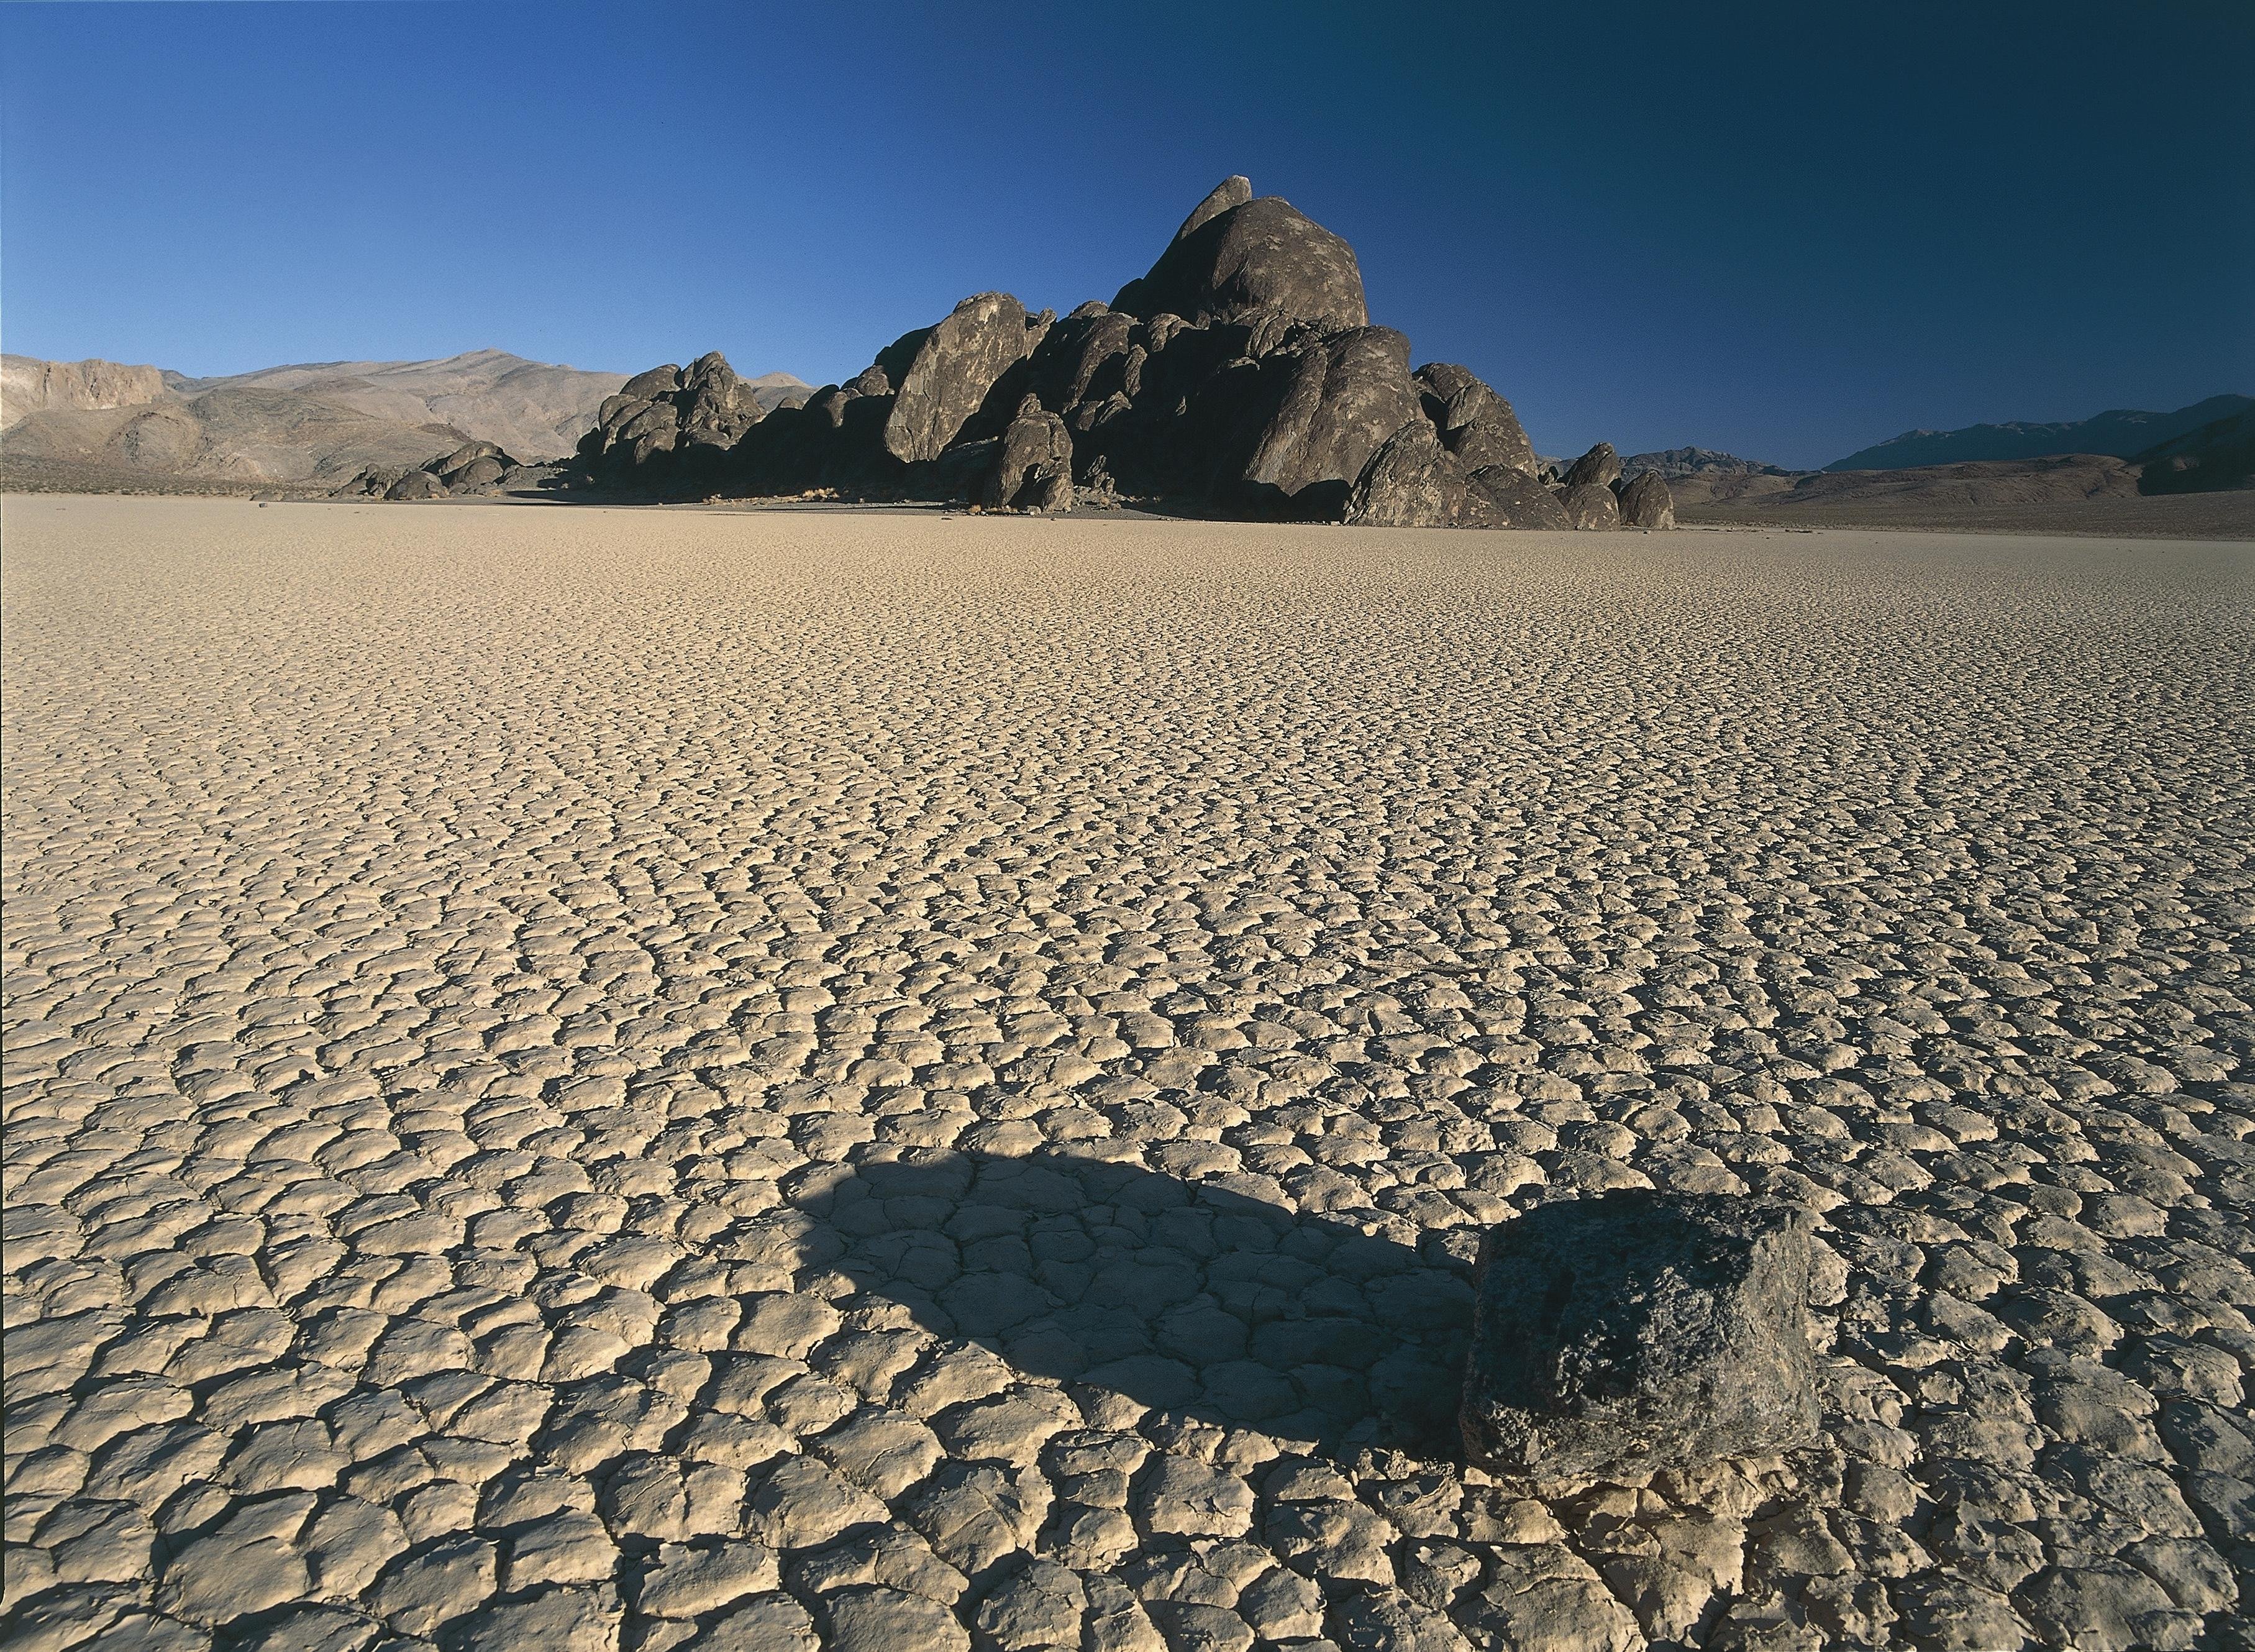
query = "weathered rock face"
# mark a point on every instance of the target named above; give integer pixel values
(1599, 467)
(1476, 425)
(1033, 454)
(1240, 373)
(1589, 505)
(953, 366)
(1342, 397)
(473, 467)
(1646, 502)
(704, 411)
(1637, 1330)
(1241, 262)
(1518, 499)
(416, 484)
(1413, 482)
(30, 385)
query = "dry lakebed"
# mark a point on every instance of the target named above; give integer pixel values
(743, 1080)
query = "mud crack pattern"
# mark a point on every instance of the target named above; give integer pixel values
(674, 1079)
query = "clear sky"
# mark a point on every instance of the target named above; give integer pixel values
(1786, 231)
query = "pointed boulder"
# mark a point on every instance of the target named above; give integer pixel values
(953, 368)
(1240, 260)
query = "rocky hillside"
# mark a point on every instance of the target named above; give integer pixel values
(2216, 457)
(532, 408)
(1239, 375)
(101, 427)
(30, 385)
(232, 434)
(2121, 434)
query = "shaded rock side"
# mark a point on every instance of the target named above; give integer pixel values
(1032, 459)
(951, 369)
(1519, 500)
(1590, 505)
(1243, 261)
(1412, 482)
(1341, 399)
(1646, 502)
(1637, 1330)
(1599, 467)
(1476, 425)
(705, 407)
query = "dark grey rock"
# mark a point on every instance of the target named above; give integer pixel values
(1646, 502)
(659, 381)
(1637, 1330)
(1234, 262)
(416, 484)
(1413, 482)
(1476, 425)
(451, 468)
(1590, 505)
(1600, 466)
(1337, 402)
(1035, 452)
(1519, 500)
(951, 370)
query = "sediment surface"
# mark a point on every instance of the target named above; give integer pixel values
(669, 1078)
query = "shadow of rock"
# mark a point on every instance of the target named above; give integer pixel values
(1181, 1297)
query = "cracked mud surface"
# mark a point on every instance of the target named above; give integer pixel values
(744, 1081)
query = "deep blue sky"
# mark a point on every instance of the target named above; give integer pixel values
(1785, 231)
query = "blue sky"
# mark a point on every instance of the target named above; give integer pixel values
(1787, 231)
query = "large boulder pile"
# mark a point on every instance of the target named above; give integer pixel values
(1239, 375)
(474, 469)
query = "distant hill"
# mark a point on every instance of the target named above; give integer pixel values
(229, 434)
(309, 423)
(1672, 462)
(2216, 456)
(534, 408)
(2122, 433)
(1701, 475)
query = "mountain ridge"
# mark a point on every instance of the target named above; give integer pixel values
(2119, 433)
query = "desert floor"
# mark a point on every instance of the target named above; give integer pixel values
(665, 1077)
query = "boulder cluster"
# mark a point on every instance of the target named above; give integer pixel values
(475, 467)
(1240, 376)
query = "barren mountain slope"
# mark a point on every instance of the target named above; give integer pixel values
(534, 408)
(238, 434)
(28, 385)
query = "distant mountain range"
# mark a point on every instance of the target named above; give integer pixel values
(311, 422)
(2120, 433)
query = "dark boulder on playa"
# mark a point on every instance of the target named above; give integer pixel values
(1638, 1331)
(947, 375)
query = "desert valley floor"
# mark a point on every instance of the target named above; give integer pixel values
(742, 1080)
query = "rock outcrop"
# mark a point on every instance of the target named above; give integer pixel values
(30, 385)
(1590, 505)
(473, 467)
(1240, 374)
(1032, 467)
(1238, 259)
(946, 379)
(1646, 502)
(701, 411)
(1636, 1331)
